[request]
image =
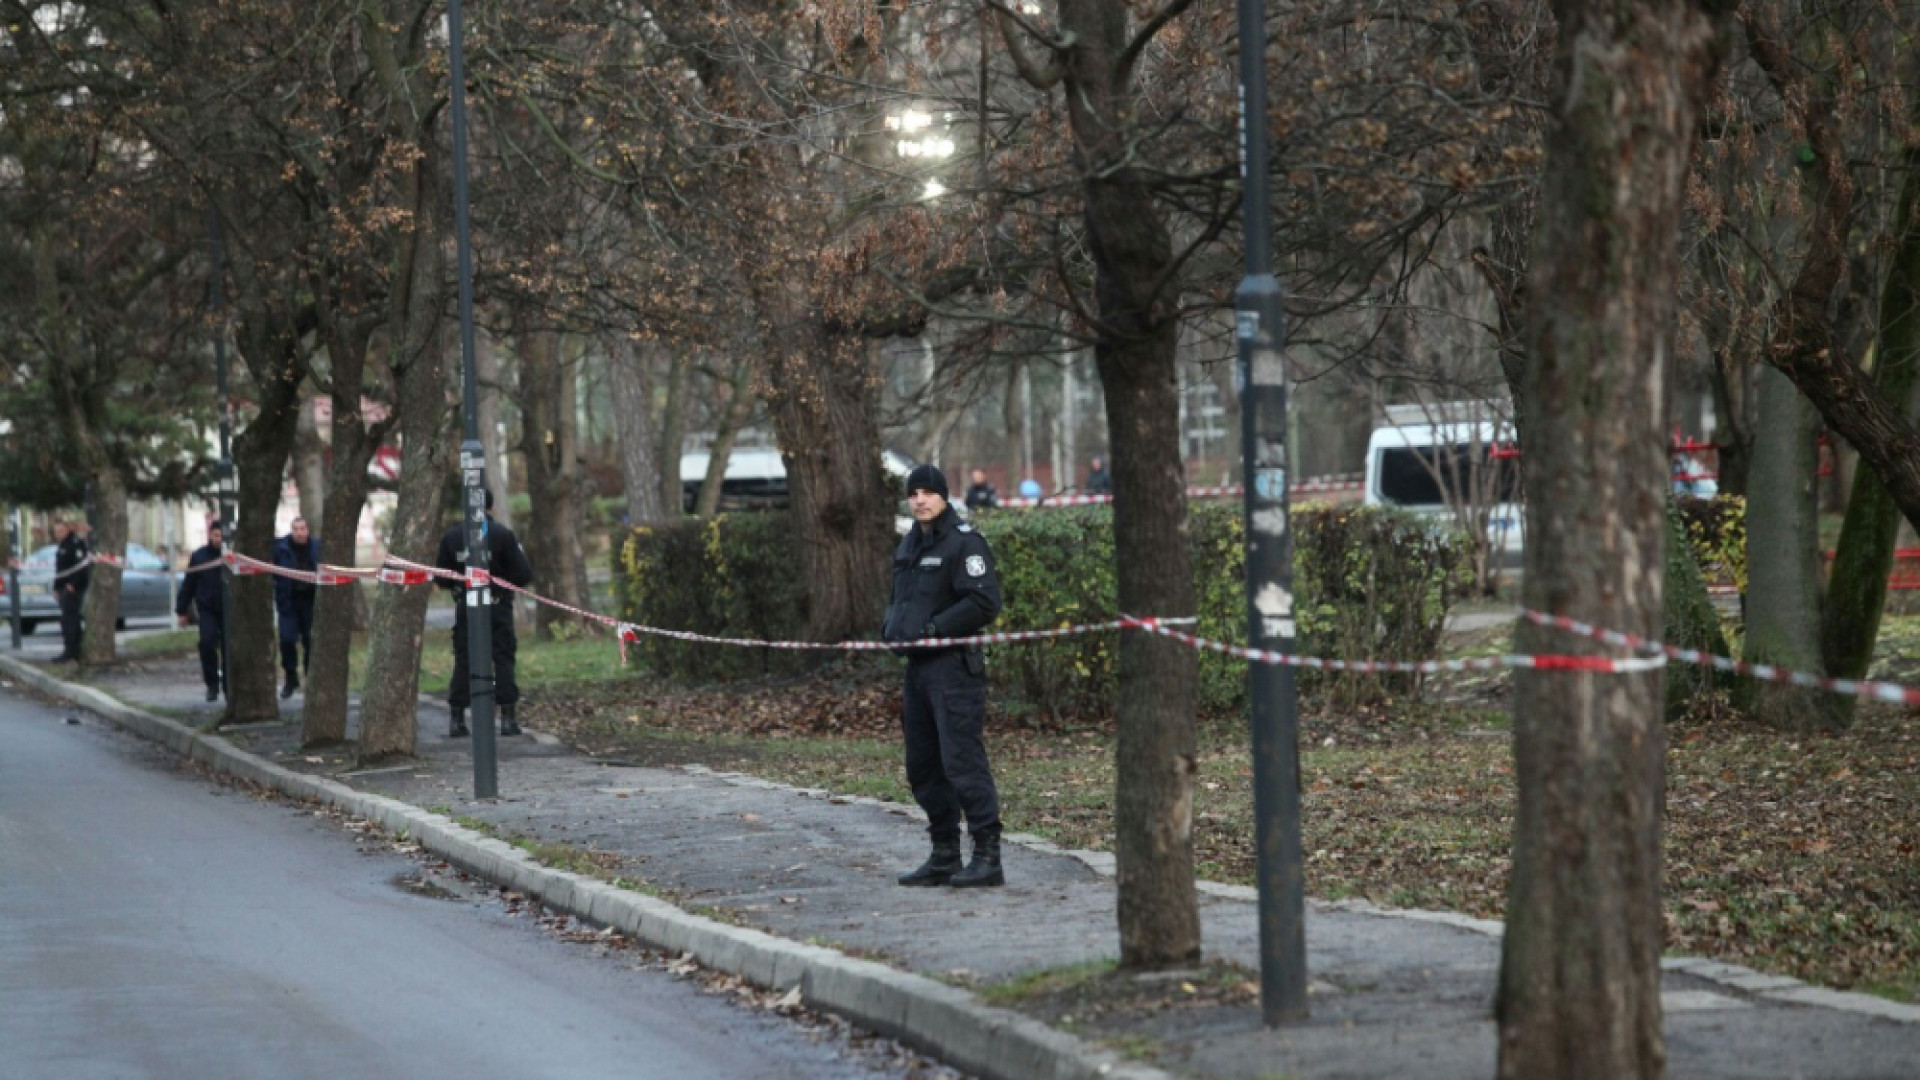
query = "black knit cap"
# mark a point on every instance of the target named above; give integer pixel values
(928, 478)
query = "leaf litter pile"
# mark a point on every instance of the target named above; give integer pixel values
(1793, 854)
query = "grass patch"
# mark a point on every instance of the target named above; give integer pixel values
(539, 664)
(1046, 983)
(169, 643)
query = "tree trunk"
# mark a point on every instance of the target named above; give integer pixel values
(260, 456)
(673, 434)
(1579, 992)
(555, 482)
(1135, 353)
(1857, 588)
(323, 719)
(310, 475)
(1783, 557)
(488, 374)
(630, 374)
(102, 604)
(739, 410)
(824, 414)
(390, 699)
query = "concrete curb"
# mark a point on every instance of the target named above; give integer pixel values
(945, 1021)
(1774, 988)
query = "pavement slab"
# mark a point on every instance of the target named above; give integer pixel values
(1394, 993)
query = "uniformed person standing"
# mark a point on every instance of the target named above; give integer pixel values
(70, 590)
(945, 586)
(507, 562)
(202, 600)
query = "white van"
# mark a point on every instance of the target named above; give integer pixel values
(756, 478)
(1454, 460)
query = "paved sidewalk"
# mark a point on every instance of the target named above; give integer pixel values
(1393, 993)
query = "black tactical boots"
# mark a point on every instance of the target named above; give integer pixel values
(458, 728)
(985, 867)
(509, 724)
(940, 866)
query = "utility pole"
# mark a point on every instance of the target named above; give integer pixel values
(477, 599)
(1260, 331)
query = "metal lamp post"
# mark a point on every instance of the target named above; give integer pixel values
(473, 459)
(218, 301)
(1260, 331)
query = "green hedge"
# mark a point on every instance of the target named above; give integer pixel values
(1371, 584)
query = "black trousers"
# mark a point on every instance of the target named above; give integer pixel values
(70, 601)
(943, 719)
(506, 647)
(210, 650)
(296, 636)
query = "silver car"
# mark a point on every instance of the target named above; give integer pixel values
(146, 589)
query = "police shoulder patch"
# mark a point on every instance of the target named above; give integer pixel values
(977, 565)
(964, 527)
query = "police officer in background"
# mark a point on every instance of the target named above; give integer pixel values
(980, 493)
(70, 591)
(203, 592)
(293, 601)
(507, 562)
(945, 586)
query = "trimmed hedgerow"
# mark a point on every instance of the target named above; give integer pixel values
(1370, 584)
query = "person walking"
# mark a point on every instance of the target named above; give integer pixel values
(293, 601)
(202, 600)
(945, 586)
(980, 493)
(1098, 480)
(71, 575)
(507, 562)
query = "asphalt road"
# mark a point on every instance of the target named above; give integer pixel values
(154, 923)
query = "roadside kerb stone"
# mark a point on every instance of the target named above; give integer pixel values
(943, 1020)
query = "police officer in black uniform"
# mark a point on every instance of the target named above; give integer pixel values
(945, 586)
(507, 562)
(69, 591)
(203, 592)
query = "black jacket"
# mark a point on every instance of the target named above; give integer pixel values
(982, 496)
(943, 577)
(202, 589)
(505, 560)
(72, 552)
(305, 557)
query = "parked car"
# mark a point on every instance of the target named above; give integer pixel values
(146, 588)
(756, 478)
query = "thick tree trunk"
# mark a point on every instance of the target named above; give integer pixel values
(323, 718)
(310, 473)
(673, 434)
(260, 456)
(390, 699)
(1579, 989)
(102, 605)
(1857, 588)
(630, 374)
(1783, 557)
(1155, 760)
(739, 409)
(555, 482)
(823, 414)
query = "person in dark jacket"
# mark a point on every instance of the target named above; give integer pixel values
(945, 586)
(70, 590)
(203, 594)
(506, 561)
(980, 493)
(1099, 482)
(293, 601)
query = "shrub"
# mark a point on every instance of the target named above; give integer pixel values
(1369, 583)
(1717, 529)
(728, 576)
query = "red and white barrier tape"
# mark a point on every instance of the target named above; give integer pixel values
(1305, 487)
(1881, 691)
(1604, 664)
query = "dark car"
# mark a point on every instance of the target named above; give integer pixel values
(146, 588)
